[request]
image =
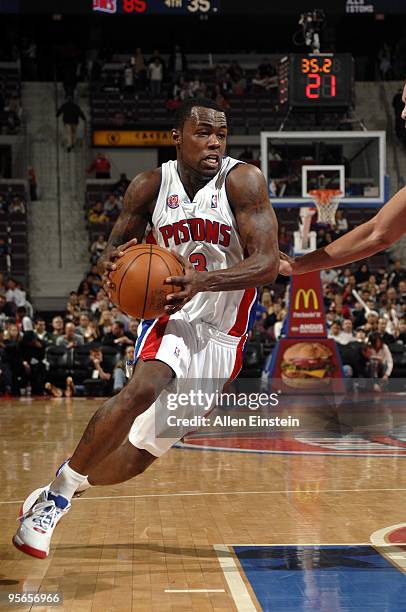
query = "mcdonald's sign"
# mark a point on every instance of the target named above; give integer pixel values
(306, 294)
(306, 308)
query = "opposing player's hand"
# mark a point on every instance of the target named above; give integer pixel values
(192, 282)
(109, 264)
(286, 264)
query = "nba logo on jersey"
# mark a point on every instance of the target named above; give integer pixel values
(105, 6)
(173, 201)
(176, 352)
(214, 201)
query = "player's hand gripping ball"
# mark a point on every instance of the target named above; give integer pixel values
(136, 279)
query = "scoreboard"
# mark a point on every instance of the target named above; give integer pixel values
(111, 7)
(316, 80)
(149, 7)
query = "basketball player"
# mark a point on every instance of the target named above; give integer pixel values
(214, 212)
(377, 234)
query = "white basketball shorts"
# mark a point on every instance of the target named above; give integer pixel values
(199, 355)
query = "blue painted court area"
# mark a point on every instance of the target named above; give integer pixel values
(323, 578)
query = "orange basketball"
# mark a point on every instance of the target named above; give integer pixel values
(139, 288)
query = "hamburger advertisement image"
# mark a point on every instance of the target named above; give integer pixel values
(307, 365)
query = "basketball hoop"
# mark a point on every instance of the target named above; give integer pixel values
(326, 201)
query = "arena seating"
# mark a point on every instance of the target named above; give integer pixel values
(10, 86)
(13, 230)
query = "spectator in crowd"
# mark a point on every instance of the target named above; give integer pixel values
(105, 322)
(347, 333)
(362, 274)
(155, 73)
(3, 247)
(23, 321)
(329, 276)
(121, 186)
(380, 361)
(12, 338)
(71, 113)
(84, 321)
(140, 71)
(195, 87)
(335, 330)
(385, 62)
(7, 309)
(17, 206)
(41, 332)
(177, 62)
(100, 303)
(341, 223)
(100, 374)
(3, 205)
(101, 166)
(32, 182)
(402, 331)
(121, 369)
(70, 339)
(386, 337)
(117, 337)
(3, 287)
(397, 274)
(91, 333)
(128, 77)
(57, 328)
(220, 98)
(14, 293)
(156, 56)
(31, 352)
(96, 214)
(112, 207)
(6, 375)
(97, 247)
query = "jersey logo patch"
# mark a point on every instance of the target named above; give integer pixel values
(214, 201)
(173, 201)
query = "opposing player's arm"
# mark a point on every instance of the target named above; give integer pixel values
(365, 240)
(257, 225)
(134, 217)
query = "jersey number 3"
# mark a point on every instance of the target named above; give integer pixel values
(198, 261)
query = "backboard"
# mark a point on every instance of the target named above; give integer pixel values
(353, 161)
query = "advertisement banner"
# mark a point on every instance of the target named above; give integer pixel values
(132, 138)
(306, 308)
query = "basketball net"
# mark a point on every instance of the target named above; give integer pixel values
(326, 201)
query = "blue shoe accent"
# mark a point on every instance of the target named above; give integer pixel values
(60, 501)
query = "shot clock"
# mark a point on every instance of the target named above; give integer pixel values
(310, 81)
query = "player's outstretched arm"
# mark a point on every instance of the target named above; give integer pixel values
(258, 230)
(134, 217)
(365, 240)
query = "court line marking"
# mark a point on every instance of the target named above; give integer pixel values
(362, 454)
(195, 591)
(206, 493)
(397, 556)
(236, 584)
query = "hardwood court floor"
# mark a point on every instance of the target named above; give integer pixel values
(124, 547)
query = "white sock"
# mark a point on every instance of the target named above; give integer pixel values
(84, 486)
(67, 482)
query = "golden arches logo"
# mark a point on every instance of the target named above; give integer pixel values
(306, 294)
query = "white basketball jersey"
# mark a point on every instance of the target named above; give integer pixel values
(205, 233)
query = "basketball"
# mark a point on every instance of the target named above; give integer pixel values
(139, 288)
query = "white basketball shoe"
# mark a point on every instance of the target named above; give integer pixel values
(38, 516)
(34, 534)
